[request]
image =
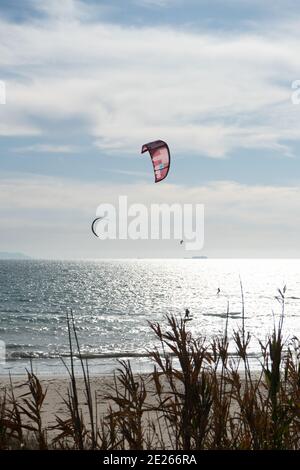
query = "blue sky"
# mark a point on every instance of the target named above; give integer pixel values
(88, 83)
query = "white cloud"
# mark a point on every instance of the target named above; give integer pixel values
(46, 148)
(261, 221)
(206, 93)
(13, 128)
(71, 10)
(155, 3)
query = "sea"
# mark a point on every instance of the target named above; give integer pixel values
(113, 302)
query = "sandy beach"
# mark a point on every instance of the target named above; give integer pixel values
(57, 391)
(57, 387)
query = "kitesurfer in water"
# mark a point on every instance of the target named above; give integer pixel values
(187, 314)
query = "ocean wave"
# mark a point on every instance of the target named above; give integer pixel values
(224, 315)
(19, 346)
(9, 310)
(19, 355)
(15, 355)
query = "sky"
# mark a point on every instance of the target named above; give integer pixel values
(89, 82)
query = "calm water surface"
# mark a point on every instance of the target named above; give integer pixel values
(113, 300)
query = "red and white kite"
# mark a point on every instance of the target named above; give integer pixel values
(160, 156)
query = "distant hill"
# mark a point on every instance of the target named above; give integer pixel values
(9, 255)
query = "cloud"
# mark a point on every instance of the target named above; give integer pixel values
(52, 217)
(46, 148)
(68, 10)
(207, 93)
(155, 3)
(13, 128)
